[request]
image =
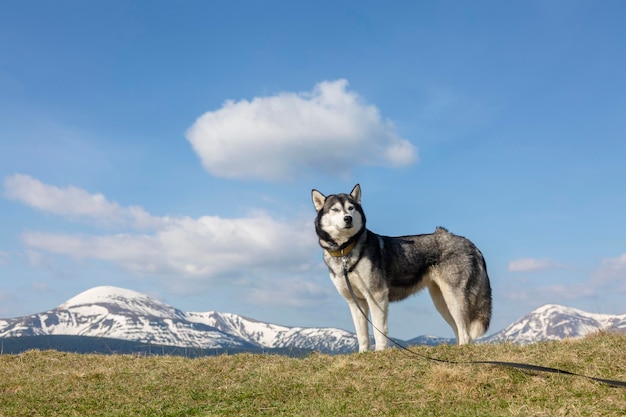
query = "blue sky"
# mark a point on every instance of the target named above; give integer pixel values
(170, 148)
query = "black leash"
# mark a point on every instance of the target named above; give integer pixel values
(524, 366)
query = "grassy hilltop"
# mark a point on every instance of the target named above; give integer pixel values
(389, 383)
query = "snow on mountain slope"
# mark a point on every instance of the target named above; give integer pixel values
(276, 336)
(124, 314)
(121, 300)
(259, 333)
(554, 322)
(120, 314)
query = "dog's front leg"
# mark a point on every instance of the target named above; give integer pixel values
(380, 312)
(360, 323)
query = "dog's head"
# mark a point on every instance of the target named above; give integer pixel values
(339, 216)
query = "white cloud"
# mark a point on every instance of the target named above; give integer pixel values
(4, 257)
(76, 204)
(207, 247)
(329, 129)
(531, 264)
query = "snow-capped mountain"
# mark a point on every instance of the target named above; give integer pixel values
(430, 340)
(124, 314)
(269, 335)
(110, 312)
(554, 322)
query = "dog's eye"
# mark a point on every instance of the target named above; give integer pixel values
(335, 209)
(350, 208)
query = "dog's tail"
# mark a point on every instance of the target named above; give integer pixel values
(478, 327)
(482, 309)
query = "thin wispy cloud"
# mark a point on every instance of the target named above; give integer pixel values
(40, 287)
(555, 293)
(293, 292)
(560, 292)
(611, 273)
(330, 129)
(532, 264)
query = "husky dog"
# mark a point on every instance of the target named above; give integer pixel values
(383, 269)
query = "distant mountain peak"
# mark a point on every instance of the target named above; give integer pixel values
(102, 293)
(556, 322)
(550, 307)
(119, 300)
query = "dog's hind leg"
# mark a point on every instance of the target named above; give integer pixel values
(453, 311)
(442, 308)
(360, 322)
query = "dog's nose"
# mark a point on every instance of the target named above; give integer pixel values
(347, 219)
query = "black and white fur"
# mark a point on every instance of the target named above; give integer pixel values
(383, 269)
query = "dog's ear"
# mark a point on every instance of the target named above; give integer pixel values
(356, 193)
(318, 199)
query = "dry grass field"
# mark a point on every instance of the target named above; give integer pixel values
(389, 383)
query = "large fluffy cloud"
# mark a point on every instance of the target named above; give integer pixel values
(206, 247)
(329, 129)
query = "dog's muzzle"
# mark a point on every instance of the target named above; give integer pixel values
(348, 220)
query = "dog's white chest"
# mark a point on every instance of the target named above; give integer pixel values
(360, 280)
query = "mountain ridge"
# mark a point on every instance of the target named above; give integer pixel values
(118, 313)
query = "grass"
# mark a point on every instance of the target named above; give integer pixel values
(389, 383)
